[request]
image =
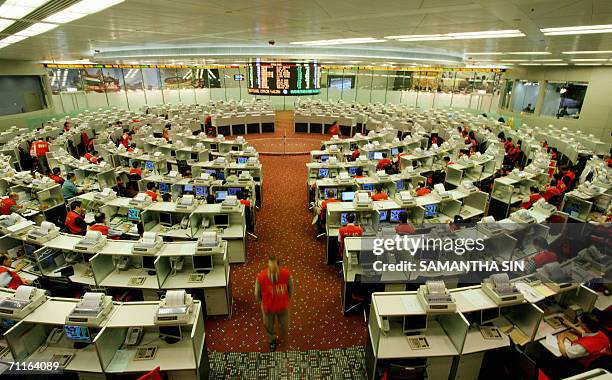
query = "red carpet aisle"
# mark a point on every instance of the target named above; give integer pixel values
(284, 229)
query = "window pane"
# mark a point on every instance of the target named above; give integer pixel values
(563, 99)
(525, 96)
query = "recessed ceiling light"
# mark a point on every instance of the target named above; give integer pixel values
(589, 60)
(588, 52)
(485, 53)
(530, 64)
(554, 64)
(569, 30)
(459, 36)
(36, 29)
(528, 52)
(19, 8)
(588, 64)
(4, 23)
(81, 9)
(339, 41)
(12, 39)
(514, 60)
(547, 60)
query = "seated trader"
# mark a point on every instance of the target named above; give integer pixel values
(55, 176)
(69, 188)
(136, 169)
(384, 162)
(379, 195)
(94, 157)
(355, 154)
(421, 189)
(9, 278)
(404, 228)
(100, 224)
(240, 195)
(334, 129)
(9, 204)
(152, 191)
(542, 257)
(351, 229)
(74, 219)
(359, 172)
(590, 345)
(533, 197)
(551, 191)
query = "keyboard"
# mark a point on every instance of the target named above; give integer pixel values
(136, 281)
(145, 353)
(196, 277)
(490, 332)
(418, 342)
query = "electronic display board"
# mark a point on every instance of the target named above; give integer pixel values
(284, 78)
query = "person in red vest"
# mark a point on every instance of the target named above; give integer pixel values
(87, 156)
(384, 162)
(100, 224)
(355, 154)
(273, 290)
(351, 229)
(136, 169)
(67, 126)
(380, 195)
(400, 153)
(589, 346)
(551, 191)
(533, 198)
(508, 145)
(542, 257)
(55, 176)
(8, 277)
(9, 204)
(152, 191)
(242, 197)
(39, 150)
(404, 228)
(334, 129)
(74, 219)
(125, 139)
(94, 157)
(422, 190)
(359, 173)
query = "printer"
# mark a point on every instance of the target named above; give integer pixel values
(230, 202)
(148, 244)
(362, 201)
(556, 278)
(140, 200)
(42, 183)
(442, 193)
(14, 224)
(595, 258)
(42, 234)
(522, 216)
(405, 199)
(105, 195)
(544, 207)
(501, 291)
(252, 162)
(209, 243)
(186, 202)
(244, 176)
(23, 302)
(176, 307)
(435, 298)
(91, 310)
(91, 242)
(467, 187)
(172, 176)
(344, 177)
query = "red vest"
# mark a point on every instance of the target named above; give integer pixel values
(100, 227)
(16, 280)
(274, 296)
(152, 194)
(544, 257)
(382, 163)
(594, 346)
(380, 197)
(56, 178)
(136, 171)
(5, 205)
(246, 202)
(71, 217)
(41, 148)
(87, 156)
(533, 198)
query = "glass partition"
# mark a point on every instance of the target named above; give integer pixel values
(563, 100)
(525, 96)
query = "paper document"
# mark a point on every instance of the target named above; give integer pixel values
(120, 361)
(553, 346)
(528, 292)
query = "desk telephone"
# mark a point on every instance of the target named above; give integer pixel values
(184, 222)
(55, 336)
(133, 336)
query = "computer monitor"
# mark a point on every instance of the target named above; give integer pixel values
(188, 188)
(384, 214)
(348, 196)
(201, 191)
(370, 155)
(220, 195)
(323, 173)
(211, 171)
(149, 165)
(489, 315)
(220, 175)
(394, 216)
(235, 148)
(213, 146)
(242, 160)
(172, 332)
(133, 215)
(344, 218)
(399, 184)
(164, 187)
(366, 257)
(368, 186)
(221, 220)
(233, 190)
(194, 155)
(330, 192)
(571, 208)
(201, 262)
(415, 323)
(172, 153)
(77, 333)
(8, 324)
(28, 250)
(165, 219)
(148, 262)
(394, 151)
(431, 211)
(352, 170)
(324, 158)
(378, 155)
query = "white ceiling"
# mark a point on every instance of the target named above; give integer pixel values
(163, 23)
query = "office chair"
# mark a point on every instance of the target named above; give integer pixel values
(408, 370)
(361, 298)
(155, 374)
(250, 226)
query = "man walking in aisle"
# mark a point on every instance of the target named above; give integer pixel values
(273, 289)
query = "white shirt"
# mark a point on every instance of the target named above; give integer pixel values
(575, 351)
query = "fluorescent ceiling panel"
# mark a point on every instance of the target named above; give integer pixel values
(588, 52)
(528, 52)
(571, 30)
(459, 36)
(4, 23)
(81, 9)
(17, 9)
(36, 29)
(339, 41)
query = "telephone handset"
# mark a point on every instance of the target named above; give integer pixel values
(55, 336)
(184, 222)
(205, 223)
(133, 336)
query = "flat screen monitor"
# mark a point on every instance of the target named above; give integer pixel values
(431, 211)
(330, 193)
(202, 262)
(233, 190)
(242, 160)
(194, 156)
(165, 219)
(173, 332)
(368, 186)
(220, 195)
(399, 184)
(201, 191)
(323, 173)
(77, 333)
(394, 216)
(370, 155)
(489, 315)
(211, 171)
(221, 220)
(352, 170)
(384, 214)
(149, 165)
(341, 82)
(8, 324)
(571, 208)
(188, 188)
(133, 214)
(344, 218)
(324, 158)
(148, 262)
(348, 196)
(28, 250)
(164, 187)
(213, 146)
(235, 148)
(394, 151)
(378, 156)
(415, 323)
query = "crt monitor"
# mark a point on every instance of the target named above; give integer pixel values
(415, 323)
(28, 250)
(431, 211)
(344, 218)
(394, 216)
(201, 191)
(330, 193)
(384, 214)
(188, 188)
(173, 332)
(149, 165)
(165, 219)
(235, 148)
(202, 262)
(220, 195)
(399, 184)
(221, 220)
(194, 155)
(148, 262)
(323, 173)
(172, 153)
(571, 208)
(242, 160)
(394, 151)
(221, 175)
(324, 158)
(370, 155)
(233, 190)
(77, 333)
(352, 170)
(368, 186)
(489, 315)
(213, 146)
(210, 171)
(378, 156)
(348, 196)
(164, 187)
(133, 214)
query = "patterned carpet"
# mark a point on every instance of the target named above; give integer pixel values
(284, 229)
(336, 364)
